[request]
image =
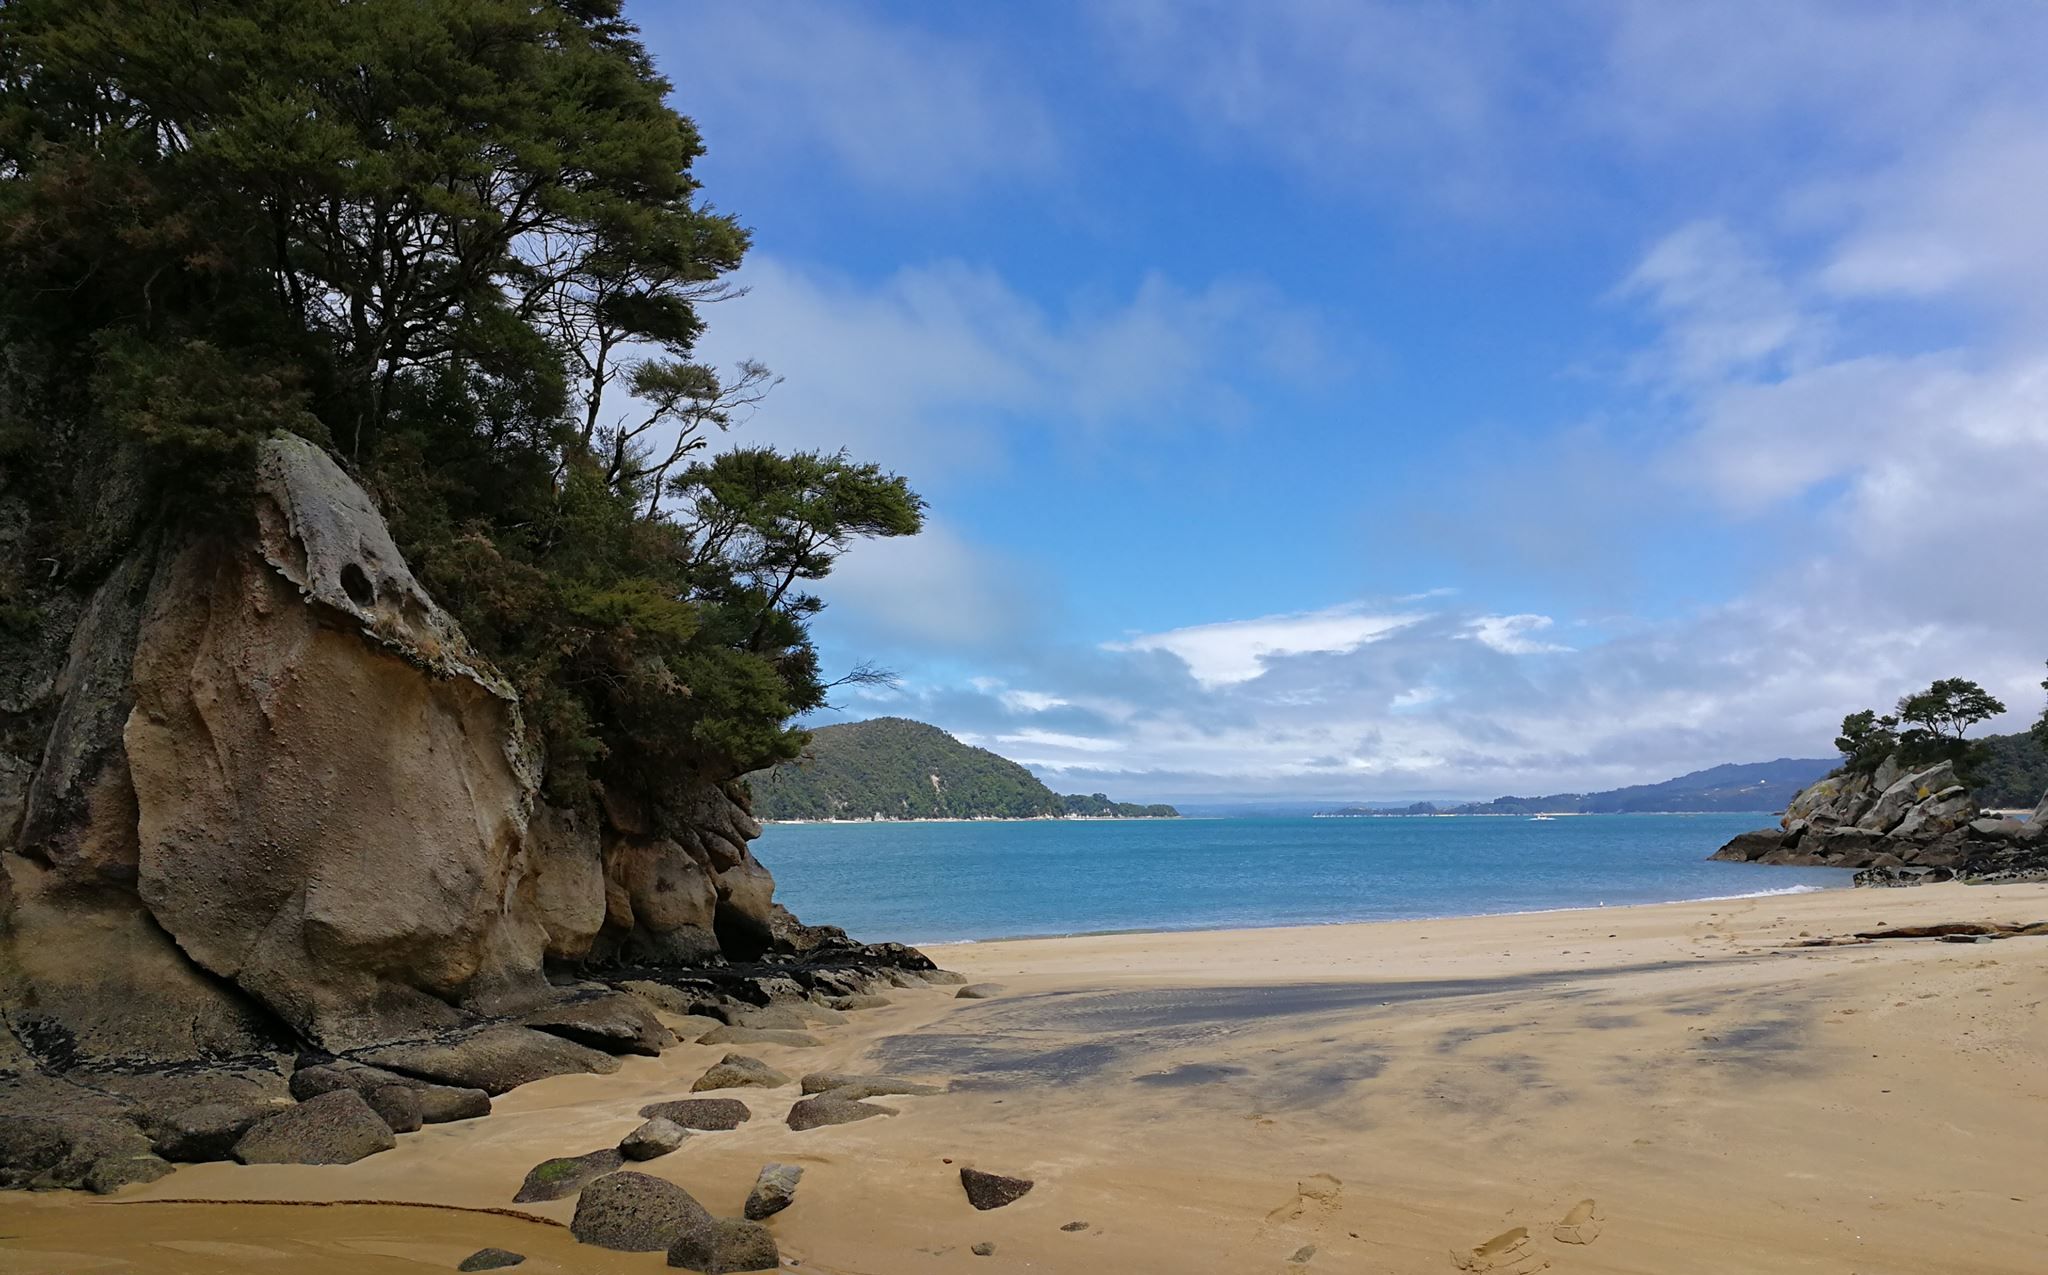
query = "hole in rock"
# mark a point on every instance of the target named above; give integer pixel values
(357, 585)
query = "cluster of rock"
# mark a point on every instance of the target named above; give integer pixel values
(267, 822)
(1899, 826)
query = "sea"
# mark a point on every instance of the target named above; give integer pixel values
(954, 882)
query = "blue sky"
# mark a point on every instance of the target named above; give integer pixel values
(1343, 400)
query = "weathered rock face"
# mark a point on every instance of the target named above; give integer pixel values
(1899, 827)
(261, 798)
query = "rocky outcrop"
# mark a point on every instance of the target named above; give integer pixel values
(1898, 826)
(261, 800)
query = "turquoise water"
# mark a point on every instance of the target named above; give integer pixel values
(942, 882)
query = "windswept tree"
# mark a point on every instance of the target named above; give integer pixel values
(1928, 726)
(460, 243)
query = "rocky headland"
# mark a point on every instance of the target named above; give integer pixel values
(1899, 826)
(279, 880)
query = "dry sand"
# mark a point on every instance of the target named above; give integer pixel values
(1658, 1089)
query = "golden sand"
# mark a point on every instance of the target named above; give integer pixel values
(1661, 1090)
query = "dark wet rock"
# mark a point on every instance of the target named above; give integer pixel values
(695, 1000)
(56, 1135)
(774, 1190)
(831, 1108)
(978, 991)
(635, 1213)
(210, 1130)
(397, 1105)
(721, 1244)
(110, 1173)
(653, 1139)
(730, 1035)
(858, 1000)
(987, 1248)
(700, 1113)
(1747, 847)
(738, 1071)
(611, 1021)
(438, 1104)
(1302, 1255)
(491, 1259)
(992, 1190)
(494, 1059)
(334, 1128)
(564, 1176)
(1075, 1226)
(769, 1017)
(847, 1084)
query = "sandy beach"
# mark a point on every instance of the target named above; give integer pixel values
(1421, 1096)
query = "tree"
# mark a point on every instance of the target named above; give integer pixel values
(1940, 716)
(1866, 740)
(460, 243)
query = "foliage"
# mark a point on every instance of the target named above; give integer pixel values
(1866, 740)
(2010, 772)
(458, 241)
(894, 768)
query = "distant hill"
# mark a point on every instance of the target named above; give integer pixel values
(1764, 786)
(894, 768)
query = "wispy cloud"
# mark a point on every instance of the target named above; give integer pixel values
(1238, 650)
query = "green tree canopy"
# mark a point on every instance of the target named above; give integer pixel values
(460, 243)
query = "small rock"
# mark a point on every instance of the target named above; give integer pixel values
(635, 1213)
(943, 978)
(992, 1190)
(757, 1036)
(858, 1000)
(831, 1108)
(334, 1128)
(397, 1105)
(111, 1173)
(209, 1130)
(987, 1248)
(774, 1190)
(722, 1244)
(1302, 1255)
(1075, 1226)
(850, 1085)
(978, 991)
(566, 1175)
(491, 1259)
(656, 1138)
(438, 1104)
(737, 1071)
(700, 1113)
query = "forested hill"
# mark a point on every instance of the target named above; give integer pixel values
(1760, 786)
(894, 768)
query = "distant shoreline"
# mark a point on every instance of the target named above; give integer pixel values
(988, 819)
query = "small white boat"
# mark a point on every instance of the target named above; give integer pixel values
(1541, 818)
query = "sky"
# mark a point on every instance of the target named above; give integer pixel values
(1336, 400)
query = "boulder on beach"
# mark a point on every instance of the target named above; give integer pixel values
(494, 1059)
(729, 1035)
(833, 1108)
(774, 1190)
(738, 1071)
(700, 1113)
(992, 1190)
(655, 1138)
(849, 1084)
(718, 1245)
(209, 1130)
(978, 991)
(491, 1259)
(635, 1213)
(564, 1176)
(334, 1128)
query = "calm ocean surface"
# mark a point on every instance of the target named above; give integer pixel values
(940, 882)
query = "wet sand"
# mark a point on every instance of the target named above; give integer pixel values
(1406, 1097)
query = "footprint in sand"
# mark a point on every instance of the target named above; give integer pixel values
(1510, 1252)
(1580, 1226)
(1317, 1194)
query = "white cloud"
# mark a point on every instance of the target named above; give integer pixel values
(1238, 650)
(928, 368)
(1509, 634)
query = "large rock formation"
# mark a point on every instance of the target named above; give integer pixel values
(1898, 825)
(272, 801)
